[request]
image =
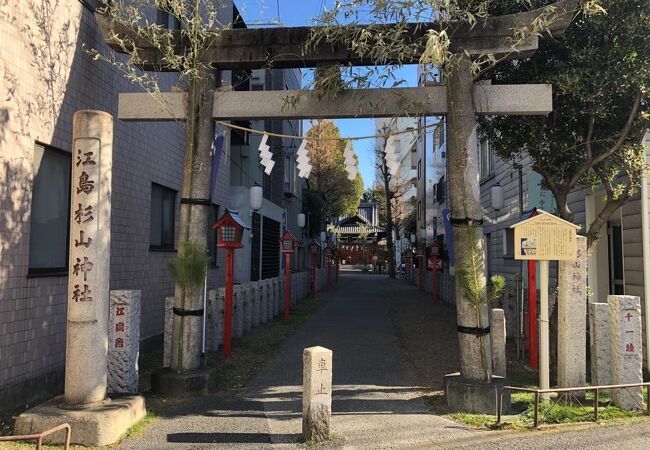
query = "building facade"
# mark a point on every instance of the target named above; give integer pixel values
(47, 75)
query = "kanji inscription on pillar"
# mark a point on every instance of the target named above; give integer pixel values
(317, 393)
(629, 342)
(84, 276)
(118, 327)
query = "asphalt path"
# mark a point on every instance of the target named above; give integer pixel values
(377, 395)
(377, 402)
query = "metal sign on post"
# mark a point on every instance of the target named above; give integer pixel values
(545, 237)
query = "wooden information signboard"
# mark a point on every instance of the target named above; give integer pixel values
(545, 237)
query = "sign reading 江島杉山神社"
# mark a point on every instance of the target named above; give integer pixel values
(545, 237)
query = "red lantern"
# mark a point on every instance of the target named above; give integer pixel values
(288, 243)
(230, 229)
(288, 246)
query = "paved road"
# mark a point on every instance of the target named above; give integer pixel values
(376, 400)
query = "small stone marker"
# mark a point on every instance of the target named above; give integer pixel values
(627, 357)
(124, 342)
(601, 359)
(572, 322)
(498, 339)
(316, 393)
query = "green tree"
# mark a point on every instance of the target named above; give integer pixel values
(328, 176)
(600, 71)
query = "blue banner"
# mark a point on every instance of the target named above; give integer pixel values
(449, 236)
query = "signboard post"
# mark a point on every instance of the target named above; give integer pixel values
(545, 238)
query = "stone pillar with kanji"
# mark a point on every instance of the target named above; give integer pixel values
(626, 354)
(90, 250)
(124, 342)
(572, 318)
(317, 393)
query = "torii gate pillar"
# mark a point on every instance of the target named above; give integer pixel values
(474, 389)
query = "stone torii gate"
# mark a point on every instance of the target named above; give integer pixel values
(460, 100)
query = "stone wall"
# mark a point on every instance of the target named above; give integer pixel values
(254, 304)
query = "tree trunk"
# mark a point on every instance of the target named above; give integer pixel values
(464, 199)
(187, 329)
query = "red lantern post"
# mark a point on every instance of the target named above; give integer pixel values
(314, 248)
(230, 230)
(288, 243)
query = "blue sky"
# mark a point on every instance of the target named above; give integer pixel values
(300, 13)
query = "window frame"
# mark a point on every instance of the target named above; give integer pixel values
(163, 247)
(42, 272)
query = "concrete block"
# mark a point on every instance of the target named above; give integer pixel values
(627, 356)
(498, 341)
(100, 425)
(572, 322)
(238, 312)
(255, 304)
(473, 396)
(599, 344)
(264, 303)
(124, 342)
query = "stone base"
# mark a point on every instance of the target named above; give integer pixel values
(473, 396)
(103, 424)
(169, 382)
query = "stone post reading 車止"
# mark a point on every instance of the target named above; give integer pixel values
(86, 356)
(572, 318)
(626, 354)
(316, 393)
(124, 342)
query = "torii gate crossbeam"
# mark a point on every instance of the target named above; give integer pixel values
(520, 99)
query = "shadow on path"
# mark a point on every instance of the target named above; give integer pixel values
(377, 394)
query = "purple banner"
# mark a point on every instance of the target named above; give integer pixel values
(217, 150)
(449, 237)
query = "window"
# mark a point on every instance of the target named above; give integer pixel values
(50, 220)
(419, 210)
(508, 237)
(213, 216)
(163, 215)
(167, 19)
(440, 190)
(419, 169)
(486, 159)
